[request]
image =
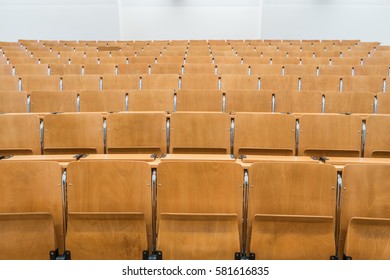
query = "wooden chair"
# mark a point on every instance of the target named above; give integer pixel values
(171, 59)
(199, 132)
(298, 101)
(81, 82)
(340, 70)
(13, 102)
(40, 82)
(132, 69)
(73, 133)
(381, 70)
(150, 100)
(323, 83)
(53, 101)
(201, 81)
(330, 135)
(199, 69)
(364, 195)
(137, 132)
(19, 134)
(109, 209)
(296, 69)
(31, 69)
(195, 59)
(242, 82)
(383, 105)
(163, 81)
(199, 217)
(233, 69)
(377, 136)
(5, 69)
(264, 134)
(9, 83)
(276, 82)
(248, 101)
(65, 69)
(291, 210)
(266, 69)
(121, 82)
(199, 100)
(349, 102)
(364, 83)
(99, 69)
(367, 239)
(31, 210)
(166, 68)
(103, 101)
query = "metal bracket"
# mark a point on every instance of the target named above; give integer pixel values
(242, 156)
(5, 157)
(80, 156)
(154, 156)
(159, 255)
(347, 257)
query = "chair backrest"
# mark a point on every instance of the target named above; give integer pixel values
(199, 100)
(13, 102)
(103, 101)
(199, 81)
(73, 133)
(199, 132)
(248, 101)
(81, 82)
(349, 102)
(160, 81)
(264, 134)
(40, 82)
(243, 82)
(298, 101)
(377, 136)
(330, 135)
(53, 101)
(20, 134)
(121, 82)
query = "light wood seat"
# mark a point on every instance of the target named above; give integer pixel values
(5, 69)
(103, 101)
(291, 201)
(167, 68)
(53, 101)
(121, 82)
(294, 69)
(170, 59)
(32, 207)
(233, 69)
(369, 83)
(248, 101)
(99, 69)
(19, 134)
(150, 100)
(243, 82)
(199, 209)
(81, 82)
(136, 132)
(109, 209)
(199, 69)
(349, 102)
(73, 133)
(266, 69)
(383, 103)
(198, 59)
(40, 82)
(382, 70)
(9, 83)
(199, 132)
(330, 135)
(31, 69)
(298, 101)
(276, 82)
(341, 70)
(368, 239)
(199, 100)
(65, 69)
(160, 81)
(365, 194)
(199, 81)
(377, 136)
(264, 134)
(323, 83)
(292, 237)
(13, 102)
(215, 236)
(135, 68)
(26, 236)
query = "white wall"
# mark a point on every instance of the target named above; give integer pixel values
(191, 19)
(59, 19)
(367, 20)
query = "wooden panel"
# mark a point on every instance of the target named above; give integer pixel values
(135, 68)
(167, 68)
(365, 193)
(33, 187)
(233, 69)
(121, 82)
(199, 69)
(136, 133)
(100, 69)
(9, 83)
(324, 83)
(368, 239)
(264, 134)
(150, 100)
(171, 59)
(65, 69)
(383, 106)
(283, 237)
(199, 100)
(28, 236)
(201, 81)
(108, 187)
(40, 82)
(382, 70)
(364, 83)
(248, 101)
(102, 101)
(340, 70)
(349, 102)
(73, 133)
(236, 82)
(19, 135)
(13, 102)
(31, 69)
(266, 69)
(198, 237)
(330, 135)
(200, 132)
(276, 82)
(80, 82)
(195, 59)
(109, 236)
(53, 101)
(163, 81)
(281, 188)
(377, 136)
(292, 69)
(298, 101)
(5, 69)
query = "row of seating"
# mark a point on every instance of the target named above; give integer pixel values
(196, 132)
(198, 68)
(371, 83)
(229, 101)
(202, 210)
